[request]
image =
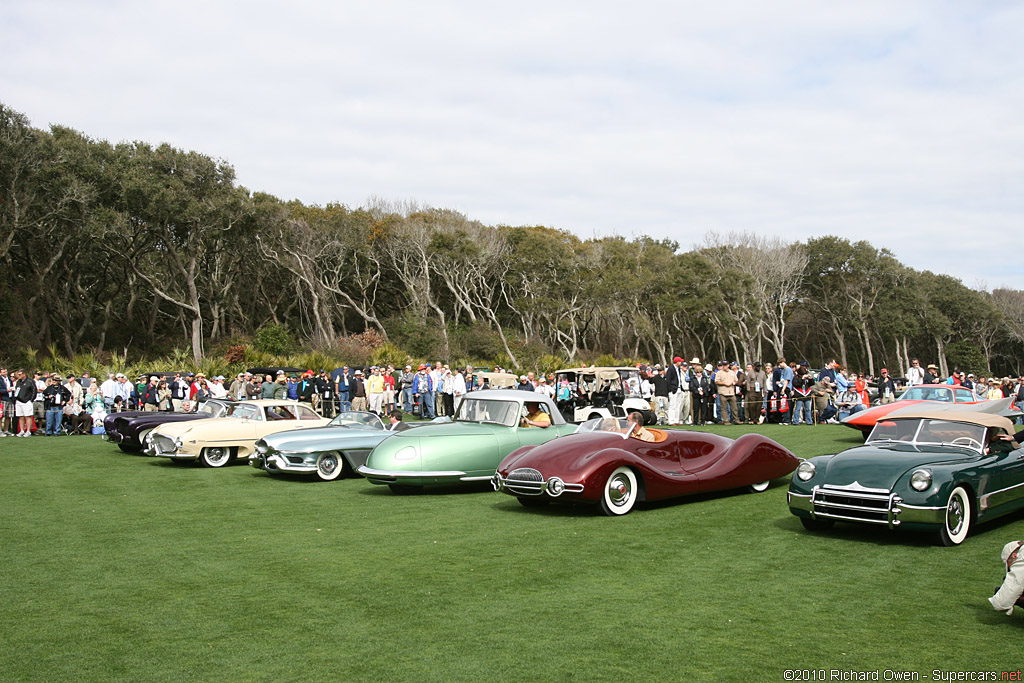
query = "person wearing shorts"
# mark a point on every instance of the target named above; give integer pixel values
(24, 396)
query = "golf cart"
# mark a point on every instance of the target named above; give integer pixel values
(602, 392)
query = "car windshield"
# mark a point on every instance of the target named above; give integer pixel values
(605, 424)
(592, 384)
(357, 420)
(630, 379)
(245, 410)
(213, 409)
(928, 432)
(475, 409)
(928, 393)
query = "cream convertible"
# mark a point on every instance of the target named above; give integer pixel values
(216, 442)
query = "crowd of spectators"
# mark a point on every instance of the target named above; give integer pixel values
(681, 393)
(789, 392)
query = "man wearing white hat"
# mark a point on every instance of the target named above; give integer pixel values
(678, 377)
(149, 396)
(1009, 594)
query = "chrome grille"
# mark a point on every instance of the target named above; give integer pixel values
(856, 505)
(525, 481)
(163, 444)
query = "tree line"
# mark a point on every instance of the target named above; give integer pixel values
(132, 245)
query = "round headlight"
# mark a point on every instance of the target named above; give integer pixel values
(555, 486)
(920, 480)
(806, 470)
(407, 453)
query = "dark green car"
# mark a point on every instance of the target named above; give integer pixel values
(488, 425)
(938, 471)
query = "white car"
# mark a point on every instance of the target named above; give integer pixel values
(218, 442)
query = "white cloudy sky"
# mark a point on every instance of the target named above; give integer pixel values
(901, 123)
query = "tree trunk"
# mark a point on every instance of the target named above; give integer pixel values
(197, 339)
(867, 347)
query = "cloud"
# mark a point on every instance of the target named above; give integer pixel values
(897, 123)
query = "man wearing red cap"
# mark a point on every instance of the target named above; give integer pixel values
(886, 388)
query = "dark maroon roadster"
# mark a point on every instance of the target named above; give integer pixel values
(601, 463)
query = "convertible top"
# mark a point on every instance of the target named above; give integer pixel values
(970, 417)
(605, 371)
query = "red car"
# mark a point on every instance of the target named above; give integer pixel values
(602, 464)
(866, 419)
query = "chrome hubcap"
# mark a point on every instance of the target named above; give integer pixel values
(328, 464)
(216, 455)
(954, 515)
(619, 490)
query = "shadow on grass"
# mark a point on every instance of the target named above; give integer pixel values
(885, 537)
(450, 490)
(575, 507)
(990, 617)
(564, 508)
(172, 464)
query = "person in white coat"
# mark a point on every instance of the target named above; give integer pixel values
(1009, 594)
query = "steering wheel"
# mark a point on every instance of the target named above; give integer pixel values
(966, 441)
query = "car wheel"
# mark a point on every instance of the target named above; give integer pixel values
(216, 456)
(329, 466)
(404, 489)
(958, 518)
(759, 487)
(815, 524)
(594, 416)
(532, 502)
(619, 493)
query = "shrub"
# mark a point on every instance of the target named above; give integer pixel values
(477, 341)
(389, 352)
(275, 339)
(357, 350)
(235, 354)
(420, 338)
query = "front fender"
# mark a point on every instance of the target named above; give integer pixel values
(509, 461)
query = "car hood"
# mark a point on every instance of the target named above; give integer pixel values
(866, 419)
(316, 439)
(173, 429)
(879, 467)
(160, 418)
(451, 429)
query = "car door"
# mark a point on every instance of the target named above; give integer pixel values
(534, 436)
(1006, 487)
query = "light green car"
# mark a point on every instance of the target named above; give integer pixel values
(488, 425)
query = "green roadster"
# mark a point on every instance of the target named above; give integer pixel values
(488, 425)
(929, 470)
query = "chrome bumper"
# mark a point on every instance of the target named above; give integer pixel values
(277, 462)
(371, 473)
(162, 447)
(882, 508)
(529, 482)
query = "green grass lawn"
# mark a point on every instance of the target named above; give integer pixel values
(120, 567)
